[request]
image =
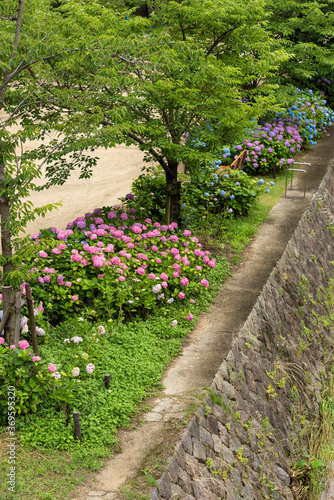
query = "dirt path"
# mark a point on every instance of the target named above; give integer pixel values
(210, 342)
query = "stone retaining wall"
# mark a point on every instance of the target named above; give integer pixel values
(242, 442)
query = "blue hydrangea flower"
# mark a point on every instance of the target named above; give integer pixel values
(260, 182)
(237, 183)
(272, 183)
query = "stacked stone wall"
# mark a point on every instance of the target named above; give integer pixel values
(254, 424)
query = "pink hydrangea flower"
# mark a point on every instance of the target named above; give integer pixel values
(164, 276)
(76, 257)
(90, 368)
(52, 368)
(205, 283)
(23, 344)
(164, 284)
(68, 284)
(98, 261)
(184, 281)
(151, 276)
(121, 278)
(75, 298)
(189, 317)
(2, 340)
(35, 358)
(141, 270)
(181, 295)
(12, 347)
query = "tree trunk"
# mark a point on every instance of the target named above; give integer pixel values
(6, 251)
(173, 189)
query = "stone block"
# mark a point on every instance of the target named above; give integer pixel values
(217, 444)
(223, 434)
(283, 476)
(173, 470)
(187, 443)
(198, 450)
(212, 424)
(205, 437)
(192, 466)
(164, 486)
(185, 482)
(227, 455)
(194, 428)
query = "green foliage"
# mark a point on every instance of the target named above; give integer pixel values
(205, 190)
(25, 377)
(304, 28)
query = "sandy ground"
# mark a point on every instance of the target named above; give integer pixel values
(112, 178)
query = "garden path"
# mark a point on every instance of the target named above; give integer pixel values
(211, 340)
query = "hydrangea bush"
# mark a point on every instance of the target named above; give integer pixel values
(106, 264)
(208, 189)
(270, 146)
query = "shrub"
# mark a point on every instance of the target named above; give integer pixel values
(207, 189)
(108, 265)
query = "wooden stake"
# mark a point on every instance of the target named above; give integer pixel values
(7, 314)
(107, 380)
(32, 323)
(76, 420)
(17, 316)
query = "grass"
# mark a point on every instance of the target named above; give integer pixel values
(315, 465)
(44, 474)
(228, 236)
(49, 474)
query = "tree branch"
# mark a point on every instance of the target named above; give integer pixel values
(219, 39)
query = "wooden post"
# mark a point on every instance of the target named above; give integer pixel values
(8, 299)
(76, 420)
(6, 314)
(107, 380)
(32, 323)
(17, 316)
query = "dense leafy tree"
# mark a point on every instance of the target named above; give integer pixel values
(185, 71)
(305, 29)
(28, 39)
